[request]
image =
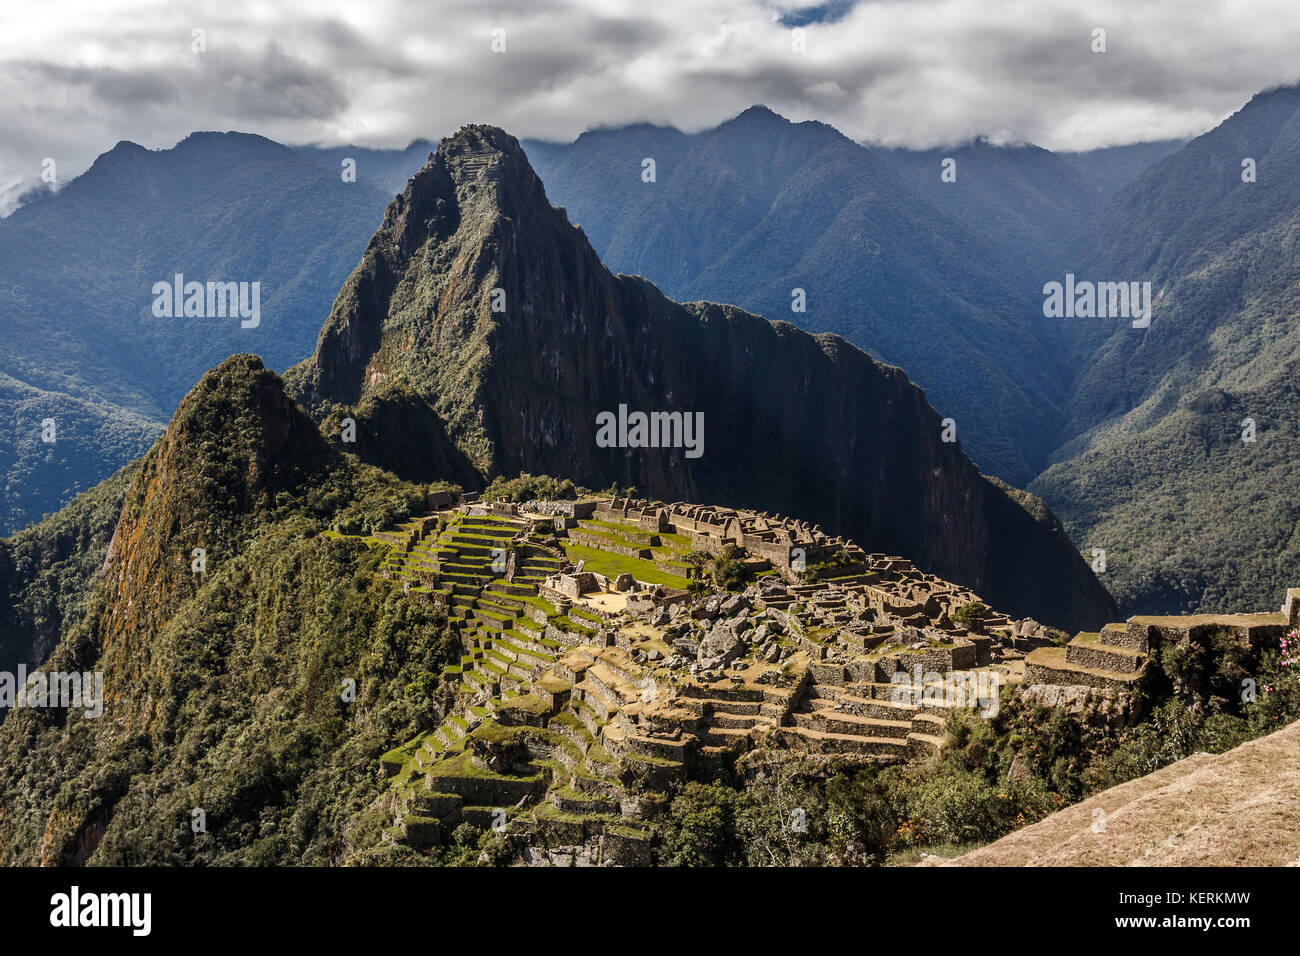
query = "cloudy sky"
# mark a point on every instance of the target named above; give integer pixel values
(77, 76)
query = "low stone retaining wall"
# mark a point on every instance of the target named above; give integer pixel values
(578, 536)
(1100, 658)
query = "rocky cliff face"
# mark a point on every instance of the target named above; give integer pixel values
(482, 299)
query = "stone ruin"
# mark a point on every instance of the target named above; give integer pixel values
(831, 649)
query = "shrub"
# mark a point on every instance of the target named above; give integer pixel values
(970, 615)
(701, 827)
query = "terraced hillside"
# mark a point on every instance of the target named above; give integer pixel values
(1116, 662)
(576, 711)
(600, 670)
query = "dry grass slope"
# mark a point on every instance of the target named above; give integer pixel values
(1233, 809)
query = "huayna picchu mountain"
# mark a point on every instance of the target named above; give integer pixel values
(481, 324)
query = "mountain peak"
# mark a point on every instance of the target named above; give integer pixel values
(758, 114)
(123, 152)
(228, 139)
(480, 172)
(479, 142)
(235, 443)
(478, 155)
(478, 210)
(243, 404)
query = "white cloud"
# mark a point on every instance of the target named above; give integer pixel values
(76, 77)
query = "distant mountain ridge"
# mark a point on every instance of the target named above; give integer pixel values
(1155, 465)
(81, 345)
(758, 207)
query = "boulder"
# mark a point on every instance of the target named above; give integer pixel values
(704, 612)
(721, 645)
(1018, 772)
(734, 605)
(687, 645)
(1027, 628)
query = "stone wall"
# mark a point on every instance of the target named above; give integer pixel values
(578, 510)
(578, 536)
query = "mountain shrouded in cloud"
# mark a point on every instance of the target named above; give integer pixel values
(919, 74)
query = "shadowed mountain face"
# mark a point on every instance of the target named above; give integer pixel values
(1111, 168)
(758, 207)
(793, 423)
(1030, 203)
(385, 171)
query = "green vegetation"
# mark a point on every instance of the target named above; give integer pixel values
(612, 565)
(262, 691)
(1213, 531)
(970, 615)
(724, 572)
(1159, 470)
(48, 570)
(798, 812)
(529, 487)
(253, 728)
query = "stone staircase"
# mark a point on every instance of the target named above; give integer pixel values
(867, 717)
